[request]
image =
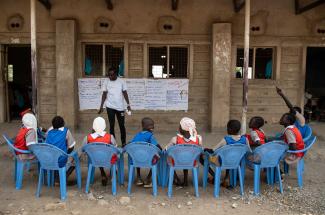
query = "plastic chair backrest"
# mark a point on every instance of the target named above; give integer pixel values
(100, 154)
(308, 133)
(184, 155)
(142, 153)
(271, 153)
(12, 148)
(309, 143)
(231, 155)
(48, 155)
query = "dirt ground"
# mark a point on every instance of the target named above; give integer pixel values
(309, 200)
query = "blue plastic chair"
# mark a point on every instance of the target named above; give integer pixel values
(48, 156)
(230, 157)
(19, 164)
(141, 155)
(184, 157)
(100, 155)
(301, 163)
(270, 155)
(307, 136)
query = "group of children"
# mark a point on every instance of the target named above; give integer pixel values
(61, 137)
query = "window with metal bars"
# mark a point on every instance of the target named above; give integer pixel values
(168, 61)
(261, 63)
(98, 58)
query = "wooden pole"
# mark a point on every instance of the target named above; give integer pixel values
(246, 64)
(33, 54)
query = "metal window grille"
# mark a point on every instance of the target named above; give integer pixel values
(168, 61)
(93, 65)
(261, 63)
(114, 58)
(100, 57)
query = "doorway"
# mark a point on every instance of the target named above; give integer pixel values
(18, 80)
(315, 83)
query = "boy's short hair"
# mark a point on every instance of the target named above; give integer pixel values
(57, 122)
(298, 109)
(290, 118)
(146, 121)
(258, 121)
(233, 127)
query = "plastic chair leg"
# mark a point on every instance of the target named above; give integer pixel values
(92, 178)
(40, 182)
(272, 175)
(78, 173)
(154, 180)
(279, 178)
(131, 170)
(300, 173)
(63, 183)
(113, 168)
(241, 181)
(217, 182)
(205, 172)
(20, 174)
(243, 169)
(257, 172)
(48, 177)
(15, 171)
(170, 182)
(196, 181)
(88, 177)
(121, 169)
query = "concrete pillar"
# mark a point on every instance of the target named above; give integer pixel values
(65, 70)
(3, 101)
(221, 74)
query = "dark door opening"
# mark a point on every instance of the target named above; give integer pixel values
(315, 83)
(19, 80)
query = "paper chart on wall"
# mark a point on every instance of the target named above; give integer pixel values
(144, 94)
(136, 89)
(155, 94)
(177, 94)
(89, 93)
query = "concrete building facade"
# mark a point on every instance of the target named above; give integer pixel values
(209, 29)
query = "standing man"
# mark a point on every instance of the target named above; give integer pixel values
(114, 93)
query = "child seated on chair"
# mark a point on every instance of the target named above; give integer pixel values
(146, 135)
(61, 137)
(26, 136)
(233, 137)
(40, 131)
(292, 137)
(187, 135)
(99, 135)
(300, 121)
(257, 136)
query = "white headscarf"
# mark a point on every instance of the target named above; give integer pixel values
(188, 124)
(99, 125)
(29, 121)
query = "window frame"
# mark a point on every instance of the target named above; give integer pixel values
(274, 62)
(103, 44)
(168, 60)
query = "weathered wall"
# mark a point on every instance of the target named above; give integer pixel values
(135, 25)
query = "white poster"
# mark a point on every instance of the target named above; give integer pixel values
(155, 94)
(144, 94)
(89, 93)
(177, 94)
(136, 90)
